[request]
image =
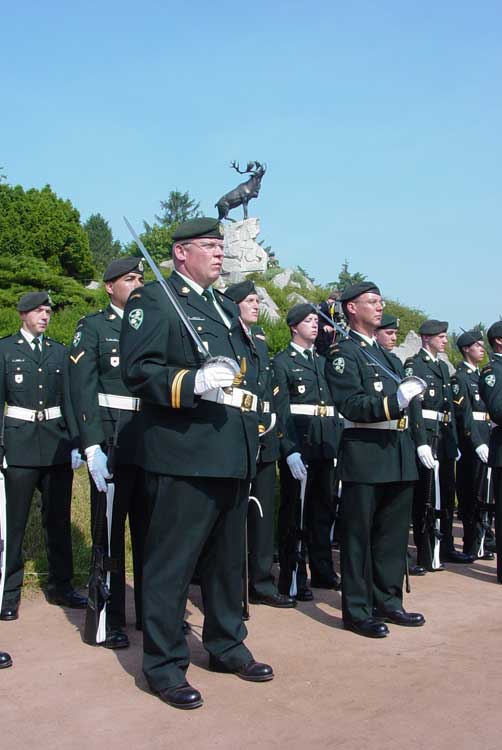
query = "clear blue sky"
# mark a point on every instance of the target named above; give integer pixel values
(380, 123)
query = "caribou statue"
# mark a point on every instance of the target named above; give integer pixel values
(243, 193)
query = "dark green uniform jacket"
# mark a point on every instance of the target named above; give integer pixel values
(365, 393)
(490, 389)
(438, 397)
(299, 381)
(269, 443)
(467, 399)
(95, 368)
(182, 434)
(32, 384)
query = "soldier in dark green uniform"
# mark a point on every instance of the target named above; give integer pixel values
(490, 390)
(377, 468)
(260, 528)
(198, 447)
(309, 442)
(102, 403)
(473, 427)
(386, 336)
(40, 436)
(436, 416)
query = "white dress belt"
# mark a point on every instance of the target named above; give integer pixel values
(313, 410)
(33, 415)
(442, 416)
(128, 403)
(390, 424)
(238, 398)
(480, 416)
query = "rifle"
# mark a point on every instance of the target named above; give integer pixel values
(102, 563)
(293, 589)
(431, 525)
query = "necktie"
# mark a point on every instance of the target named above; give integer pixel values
(208, 296)
(308, 355)
(38, 348)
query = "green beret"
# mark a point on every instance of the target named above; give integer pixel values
(120, 267)
(433, 327)
(468, 338)
(389, 321)
(194, 228)
(495, 331)
(355, 290)
(32, 300)
(240, 291)
(299, 312)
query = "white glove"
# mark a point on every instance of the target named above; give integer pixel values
(96, 462)
(76, 459)
(408, 389)
(458, 456)
(217, 374)
(296, 466)
(482, 451)
(425, 455)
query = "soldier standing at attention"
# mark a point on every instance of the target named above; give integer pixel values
(260, 529)
(309, 442)
(40, 437)
(436, 416)
(102, 402)
(199, 441)
(490, 390)
(386, 336)
(473, 427)
(377, 468)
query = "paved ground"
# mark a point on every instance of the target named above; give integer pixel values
(439, 686)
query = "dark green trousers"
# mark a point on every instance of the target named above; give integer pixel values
(374, 538)
(129, 501)
(193, 519)
(261, 531)
(54, 483)
(497, 492)
(469, 475)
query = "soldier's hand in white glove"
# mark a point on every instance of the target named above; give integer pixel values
(98, 467)
(296, 466)
(217, 374)
(408, 389)
(482, 451)
(76, 459)
(425, 455)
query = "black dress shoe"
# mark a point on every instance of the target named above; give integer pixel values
(115, 638)
(400, 617)
(453, 556)
(282, 601)
(371, 627)
(186, 627)
(181, 696)
(323, 583)
(253, 671)
(10, 612)
(486, 556)
(5, 660)
(304, 595)
(417, 570)
(71, 599)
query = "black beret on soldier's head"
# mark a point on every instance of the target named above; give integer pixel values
(494, 331)
(468, 338)
(203, 227)
(240, 291)
(433, 327)
(389, 321)
(32, 300)
(121, 266)
(299, 312)
(355, 290)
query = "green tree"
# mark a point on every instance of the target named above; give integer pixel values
(101, 243)
(345, 278)
(179, 207)
(38, 224)
(158, 241)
